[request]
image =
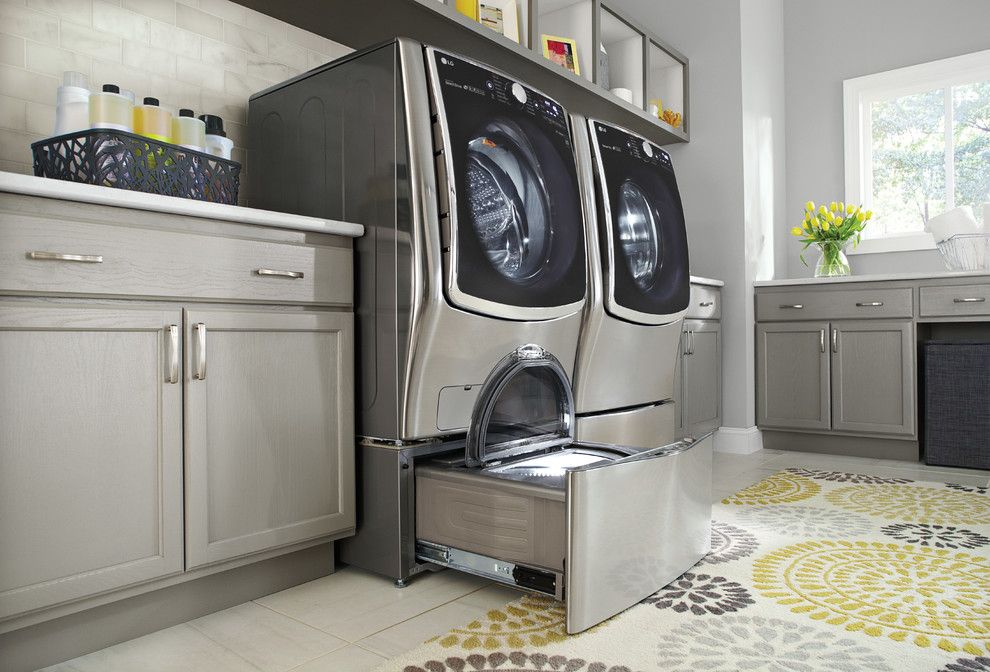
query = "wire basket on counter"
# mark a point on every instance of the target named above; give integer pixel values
(966, 252)
(127, 161)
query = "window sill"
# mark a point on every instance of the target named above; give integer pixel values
(913, 242)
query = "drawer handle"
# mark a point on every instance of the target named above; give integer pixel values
(173, 354)
(199, 331)
(970, 299)
(282, 274)
(705, 304)
(869, 304)
(58, 256)
(835, 340)
(791, 306)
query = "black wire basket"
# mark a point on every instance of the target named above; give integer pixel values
(128, 161)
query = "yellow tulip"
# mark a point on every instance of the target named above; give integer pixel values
(860, 217)
(850, 209)
(823, 210)
(810, 206)
(807, 225)
(869, 214)
(833, 206)
(796, 231)
(842, 206)
(825, 226)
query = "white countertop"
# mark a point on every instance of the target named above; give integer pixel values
(87, 193)
(886, 277)
(711, 282)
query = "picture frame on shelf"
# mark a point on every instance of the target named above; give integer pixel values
(561, 50)
(502, 16)
(468, 8)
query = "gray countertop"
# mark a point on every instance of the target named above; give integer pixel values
(710, 282)
(886, 277)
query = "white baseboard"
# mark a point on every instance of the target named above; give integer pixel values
(738, 440)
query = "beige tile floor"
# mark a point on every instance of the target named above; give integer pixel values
(352, 621)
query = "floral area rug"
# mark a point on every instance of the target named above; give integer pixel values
(809, 571)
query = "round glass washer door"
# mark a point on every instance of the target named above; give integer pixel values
(507, 201)
(639, 234)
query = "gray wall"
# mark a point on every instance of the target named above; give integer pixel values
(730, 173)
(866, 37)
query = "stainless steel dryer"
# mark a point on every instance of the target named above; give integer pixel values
(466, 182)
(638, 293)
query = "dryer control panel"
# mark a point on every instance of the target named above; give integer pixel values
(612, 139)
(494, 88)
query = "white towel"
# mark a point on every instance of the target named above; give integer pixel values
(952, 222)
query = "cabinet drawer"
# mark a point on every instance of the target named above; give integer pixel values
(706, 303)
(955, 300)
(822, 304)
(71, 257)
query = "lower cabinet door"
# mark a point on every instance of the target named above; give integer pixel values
(90, 451)
(269, 430)
(701, 377)
(792, 375)
(873, 373)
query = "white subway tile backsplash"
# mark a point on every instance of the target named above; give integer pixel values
(125, 23)
(155, 9)
(243, 86)
(54, 61)
(20, 83)
(80, 11)
(265, 68)
(315, 42)
(198, 21)
(141, 56)
(176, 40)
(28, 23)
(288, 53)
(226, 10)
(224, 56)
(198, 73)
(13, 114)
(265, 24)
(14, 167)
(85, 40)
(12, 50)
(245, 38)
(16, 146)
(40, 119)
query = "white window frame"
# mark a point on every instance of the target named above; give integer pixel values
(859, 93)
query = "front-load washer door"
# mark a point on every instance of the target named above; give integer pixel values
(510, 209)
(643, 239)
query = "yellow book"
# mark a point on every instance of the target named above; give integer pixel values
(468, 8)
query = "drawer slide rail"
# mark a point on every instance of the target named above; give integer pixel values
(505, 572)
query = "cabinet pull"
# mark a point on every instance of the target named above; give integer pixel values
(199, 348)
(791, 306)
(821, 340)
(705, 304)
(282, 274)
(970, 299)
(835, 340)
(172, 344)
(58, 256)
(691, 341)
(869, 304)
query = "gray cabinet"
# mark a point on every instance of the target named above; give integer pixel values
(792, 375)
(700, 377)
(873, 372)
(90, 451)
(269, 450)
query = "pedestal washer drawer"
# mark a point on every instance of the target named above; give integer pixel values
(706, 303)
(834, 304)
(66, 257)
(955, 300)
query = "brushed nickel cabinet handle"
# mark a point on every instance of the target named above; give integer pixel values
(58, 256)
(869, 304)
(282, 274)
(791, 306)
(199, 337)
(172, 345)
(821, 340)
(691, 337)
(835, 340)
(705, 304)
(970, 299)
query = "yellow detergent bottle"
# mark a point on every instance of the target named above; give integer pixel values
(153, 121)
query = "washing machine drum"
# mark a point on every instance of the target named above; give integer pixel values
(507, 201)
(639, 236)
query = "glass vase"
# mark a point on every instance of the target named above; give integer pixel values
(832, 262)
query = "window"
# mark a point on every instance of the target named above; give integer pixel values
(918, 144)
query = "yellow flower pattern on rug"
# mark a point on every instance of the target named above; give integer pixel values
(781, 488)
(534, 620)
(931, 597)
(918, 504)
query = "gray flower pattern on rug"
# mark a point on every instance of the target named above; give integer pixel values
(846, 477)
(981, 664)
(729, 543)
(516, 661)
(935, 536)
(806, 521)
(978, 489)
(701, 594)
(738, 642)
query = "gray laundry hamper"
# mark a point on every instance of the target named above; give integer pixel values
(957, 404)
